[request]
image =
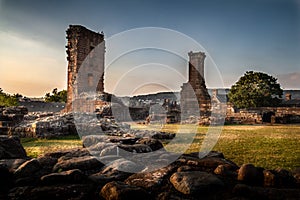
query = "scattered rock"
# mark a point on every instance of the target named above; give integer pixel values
(47, 162)
(252, 192)
(6, 180)
(10, 147)
(82, 163)
(279, 178)
(10, 117)
(109, 162)
(75, 153)
(28, 168)
(70, 176)
(59, 154)
(224, 171)
(13, 164)
(124, 166)
(208, 162)
(186, 178)
(117, 170)
(60, 192)
(135, 148)
(186, 168)
(250, 174)
(15, 110)
(296, 174)
(154, 144)
(151, 180)
(124, 140)
(110, 150)
(91, 140)
(196, 182)
(120, 191)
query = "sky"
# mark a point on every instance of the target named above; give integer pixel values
(239, 35)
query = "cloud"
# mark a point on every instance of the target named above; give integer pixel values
(290, 80)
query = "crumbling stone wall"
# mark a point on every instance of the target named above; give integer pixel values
(41, 106)
(194, 94)
(81, 42)
(11, 116)
(260, 115)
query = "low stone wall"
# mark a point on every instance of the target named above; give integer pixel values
(10, 117)
(45, 125)
(40, 106)
(283, 115)
(244, 117)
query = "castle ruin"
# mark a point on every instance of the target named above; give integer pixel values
(194, 95)
(82, 43)
(86, 54)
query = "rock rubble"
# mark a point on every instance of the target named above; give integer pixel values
(121, 163)
(76, 174)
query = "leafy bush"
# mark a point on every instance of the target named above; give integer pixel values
(7, 100)
(56, 96)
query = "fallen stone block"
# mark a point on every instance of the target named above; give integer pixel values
(120, 191)
(196, 182)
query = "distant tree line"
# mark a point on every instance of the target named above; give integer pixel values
(56, 96)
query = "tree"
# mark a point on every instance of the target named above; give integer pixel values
(56, 96)
(255, 89)
(7, 100)
(17, 95)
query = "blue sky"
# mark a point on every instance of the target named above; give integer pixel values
(240, 35)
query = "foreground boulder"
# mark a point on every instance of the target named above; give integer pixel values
(10, 147)
(151, 180)
(70, 176)
(28, 167)
(250, 174)
(121, 191)
(83, 163)
(196, 182)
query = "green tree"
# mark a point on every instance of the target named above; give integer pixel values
(56, 96)
(255, 89)
(7, 100)
(63, 95)
(17, 95)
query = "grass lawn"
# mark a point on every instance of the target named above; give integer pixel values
(35, 147)
(262, 145)
(266, 146)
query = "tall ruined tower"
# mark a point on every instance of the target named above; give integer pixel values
(194, 95)
(196, 68)
(82, 43)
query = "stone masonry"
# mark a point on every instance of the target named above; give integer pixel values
(81, 43)
(194, 94)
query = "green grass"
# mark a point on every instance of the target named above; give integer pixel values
(270, 147)
(35, 147)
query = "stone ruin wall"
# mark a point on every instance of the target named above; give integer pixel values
(282, 115)
(194, 94)
(81, 42)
